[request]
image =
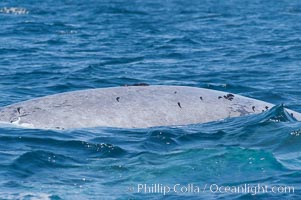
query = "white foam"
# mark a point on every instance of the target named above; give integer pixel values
(25, 125)
(14, 10)
(16, 124)
(27, 195)
(67, 32)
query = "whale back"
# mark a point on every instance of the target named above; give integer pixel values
(131, 107)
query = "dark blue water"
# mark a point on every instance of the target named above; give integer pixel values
(252, 48)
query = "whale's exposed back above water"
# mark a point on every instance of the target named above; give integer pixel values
(131, 107)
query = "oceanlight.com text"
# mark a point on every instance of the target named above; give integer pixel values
(177, 188)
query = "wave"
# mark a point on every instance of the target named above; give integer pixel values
(258, 148)
(32, 162)
(29, 195)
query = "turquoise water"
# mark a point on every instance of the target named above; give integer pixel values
(250, 48)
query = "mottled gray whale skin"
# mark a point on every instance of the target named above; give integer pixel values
(131, 107)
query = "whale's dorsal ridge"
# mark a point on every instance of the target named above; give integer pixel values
(131, 106)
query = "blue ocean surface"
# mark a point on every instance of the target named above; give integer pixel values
(251, 48)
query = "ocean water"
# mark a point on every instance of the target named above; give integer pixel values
(252, 48)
